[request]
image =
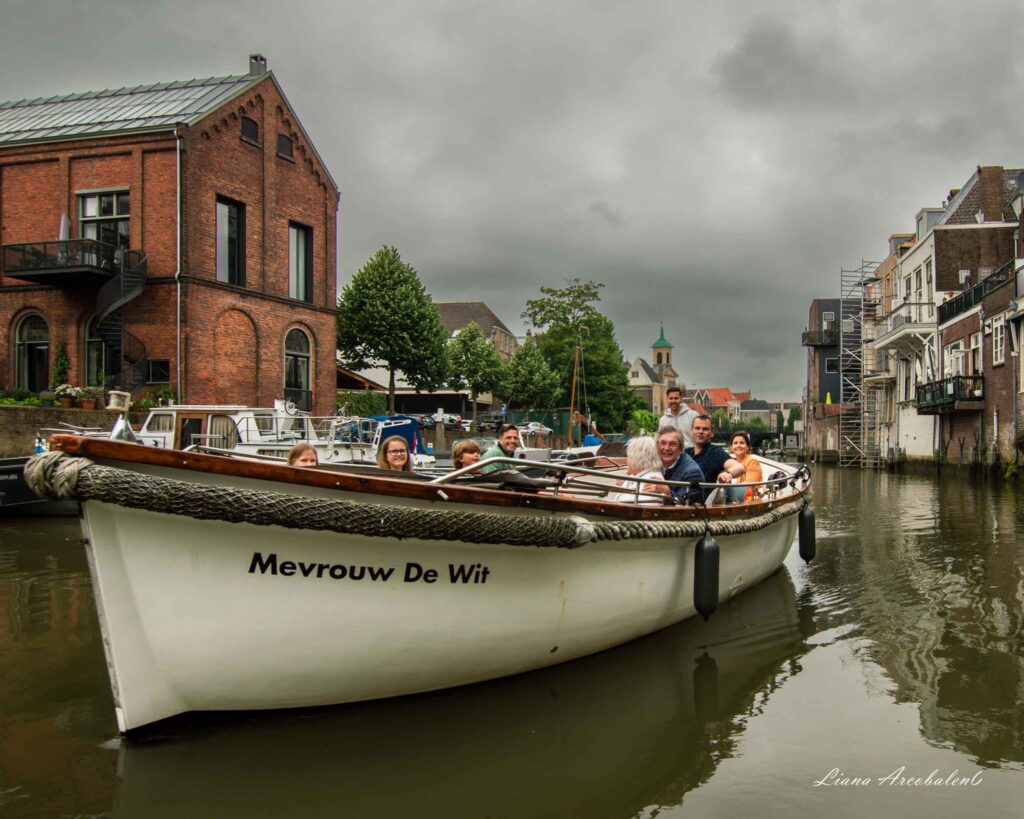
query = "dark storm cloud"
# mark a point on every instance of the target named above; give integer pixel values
(715, 165)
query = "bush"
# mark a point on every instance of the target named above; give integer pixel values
(61, 365)
(363, 404)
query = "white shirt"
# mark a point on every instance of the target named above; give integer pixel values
(628, 492)
(683, 421)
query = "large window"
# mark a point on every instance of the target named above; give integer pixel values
(998, 340)
(230, 241)
(103, 216)
(32, 364)
(300, 262)
(831, 365)
(297, 369)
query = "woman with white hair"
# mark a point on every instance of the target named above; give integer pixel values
(642, 461)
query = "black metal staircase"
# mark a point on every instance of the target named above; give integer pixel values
(110, 301)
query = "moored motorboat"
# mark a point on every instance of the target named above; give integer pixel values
(227, 584)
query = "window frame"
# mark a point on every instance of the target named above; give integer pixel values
(292, 359)
(252, 140)
(284, 139)
(90, 225)
(835, 371)
(227, 276)
(999, 335)
(300, 290)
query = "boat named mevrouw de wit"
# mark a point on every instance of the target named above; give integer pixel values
(227, 584)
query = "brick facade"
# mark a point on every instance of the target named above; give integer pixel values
(232, 337)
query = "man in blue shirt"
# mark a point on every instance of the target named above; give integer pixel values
(676, 465)
(717, 465)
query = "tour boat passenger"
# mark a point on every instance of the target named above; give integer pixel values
(717, 465)
(739, 445)
(394, 454)
(465, 453)
(302, 455)
(504, 447)
(642, 461)
(676, 465)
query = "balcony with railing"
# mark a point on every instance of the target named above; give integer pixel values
(958, 393)
(67, 263)
(908, 325)
(972, 297)
(820, 338)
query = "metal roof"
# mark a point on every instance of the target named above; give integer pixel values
(101, 113)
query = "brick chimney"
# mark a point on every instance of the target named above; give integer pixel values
(257, 65)
(990, 183)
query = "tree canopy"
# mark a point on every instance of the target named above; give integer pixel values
(473, 362)
(565, 317)
(527, 381)
(387, 319)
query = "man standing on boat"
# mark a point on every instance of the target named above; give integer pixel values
(504, 447)
(678, 415)
(717, 465)
(676, 465)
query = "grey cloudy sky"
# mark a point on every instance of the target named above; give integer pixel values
(714, 164)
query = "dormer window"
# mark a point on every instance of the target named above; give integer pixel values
(284, 146)
(250, 130)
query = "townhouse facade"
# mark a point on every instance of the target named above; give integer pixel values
(941, 328)
(178, 236)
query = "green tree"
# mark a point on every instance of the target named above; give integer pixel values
(473, 362)
(387, 319)
(794, 416)
(780, 422)
(720, 419)
(364, 403)
(756, 424)
(642, 420)
(526, 379)
(61, 366)
(566, 317)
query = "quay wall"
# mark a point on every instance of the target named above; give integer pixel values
(19, 425)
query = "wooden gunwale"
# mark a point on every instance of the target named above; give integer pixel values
(392, 487)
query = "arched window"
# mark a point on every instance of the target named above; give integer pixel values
(296, 369)
(659, 358)
(32, 351)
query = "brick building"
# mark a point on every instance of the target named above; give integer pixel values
(180, 234)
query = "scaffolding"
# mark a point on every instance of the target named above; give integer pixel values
(858, 443)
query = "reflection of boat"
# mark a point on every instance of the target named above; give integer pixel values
(225, 584)
(633, 728)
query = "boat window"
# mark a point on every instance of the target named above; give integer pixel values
(160, 422)
(222, 432)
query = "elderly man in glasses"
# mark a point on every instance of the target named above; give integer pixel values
(504, 447)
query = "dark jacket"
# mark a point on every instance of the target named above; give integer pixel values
(684, 469)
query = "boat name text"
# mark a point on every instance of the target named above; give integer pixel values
(458, 573)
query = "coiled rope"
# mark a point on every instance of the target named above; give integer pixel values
(65, 477)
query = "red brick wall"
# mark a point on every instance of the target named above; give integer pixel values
(232, 337)
(969, 248)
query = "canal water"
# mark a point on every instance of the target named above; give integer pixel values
(885, 679)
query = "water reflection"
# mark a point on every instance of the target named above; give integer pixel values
(610, 735)
(56, 701)
(931, 573)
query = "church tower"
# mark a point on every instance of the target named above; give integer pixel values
(661, 355)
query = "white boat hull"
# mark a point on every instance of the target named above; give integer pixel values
(210, 615)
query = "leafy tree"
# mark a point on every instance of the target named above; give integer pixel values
(363, 404)
(756, 424)
(642, 420)
(780, 422)
(527, 381)
(61, 366)
(794, 416)
(473, 363)
(720, 419)
(386, 319)
(566, 317)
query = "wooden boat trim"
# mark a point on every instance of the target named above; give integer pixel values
(392, 487)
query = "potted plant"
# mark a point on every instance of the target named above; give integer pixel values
(46, 398)
(89, 399)
(68, 395)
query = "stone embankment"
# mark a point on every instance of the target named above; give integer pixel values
(20, 425)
